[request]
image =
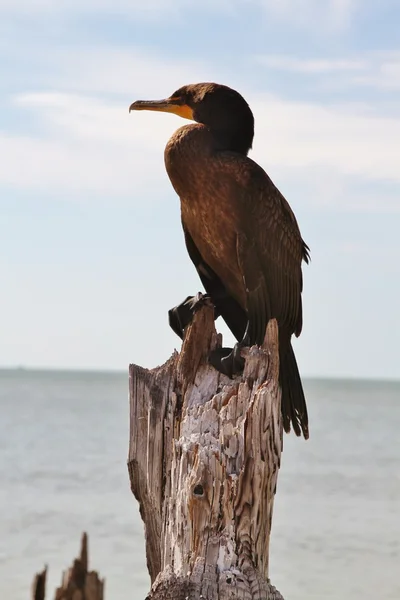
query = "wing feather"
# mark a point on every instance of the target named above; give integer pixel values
(272, 242)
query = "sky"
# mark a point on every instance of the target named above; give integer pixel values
(92, 254)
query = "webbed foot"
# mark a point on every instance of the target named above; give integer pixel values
(181, 316)
(228, 360)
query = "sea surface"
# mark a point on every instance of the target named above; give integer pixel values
(63, 450)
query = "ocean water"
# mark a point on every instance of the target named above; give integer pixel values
(63, 449)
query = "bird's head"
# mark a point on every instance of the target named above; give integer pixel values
(219, 107)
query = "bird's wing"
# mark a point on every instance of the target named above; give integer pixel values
(270, 250)
(232, 313)
(258, 299)
(280, 251)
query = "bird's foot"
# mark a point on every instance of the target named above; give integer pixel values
(181, 316)
(228, 360)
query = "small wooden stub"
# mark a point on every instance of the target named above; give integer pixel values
(78, 583)
(204, 457)
(39, 585)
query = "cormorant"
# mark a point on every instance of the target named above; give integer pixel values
(240, 232)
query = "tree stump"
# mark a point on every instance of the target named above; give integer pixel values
(204, 456)
(39, 585)
(77, 583)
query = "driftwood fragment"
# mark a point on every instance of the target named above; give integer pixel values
(77, 582)
(39, 585)
(203, 461)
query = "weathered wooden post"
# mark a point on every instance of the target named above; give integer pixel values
(78, 583)
(39, 585)
(203, 461)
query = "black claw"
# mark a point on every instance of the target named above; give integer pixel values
(215, 358)
(197, 301)
(181, 316)
(227, 360)
(246, 337)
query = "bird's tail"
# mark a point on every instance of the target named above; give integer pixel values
(294, 408)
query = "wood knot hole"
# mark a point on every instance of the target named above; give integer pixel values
(198, 491)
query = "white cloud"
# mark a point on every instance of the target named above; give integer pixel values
(378, 70)
(90, 144)
(312, 66)
(96, 146)
(342, 11)
(130, 72)
(343, 138)
(383, 74)
(334, 15)
(151, 9)
(26, 7)
(88, 148)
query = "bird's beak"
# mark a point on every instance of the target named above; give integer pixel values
(171, 105)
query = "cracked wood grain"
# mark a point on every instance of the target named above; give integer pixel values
(204, 457)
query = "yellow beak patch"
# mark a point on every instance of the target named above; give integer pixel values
(170, 105)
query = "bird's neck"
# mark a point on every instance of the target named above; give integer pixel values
(186, 153)
(192, 149)
(233, 139)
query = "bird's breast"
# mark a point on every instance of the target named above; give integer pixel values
(211, 211)
(214, 229)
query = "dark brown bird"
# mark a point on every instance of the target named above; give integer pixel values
(240, 232)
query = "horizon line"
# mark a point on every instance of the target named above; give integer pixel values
(111, 371)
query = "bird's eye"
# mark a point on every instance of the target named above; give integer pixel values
(184, 99)
(178, 98)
